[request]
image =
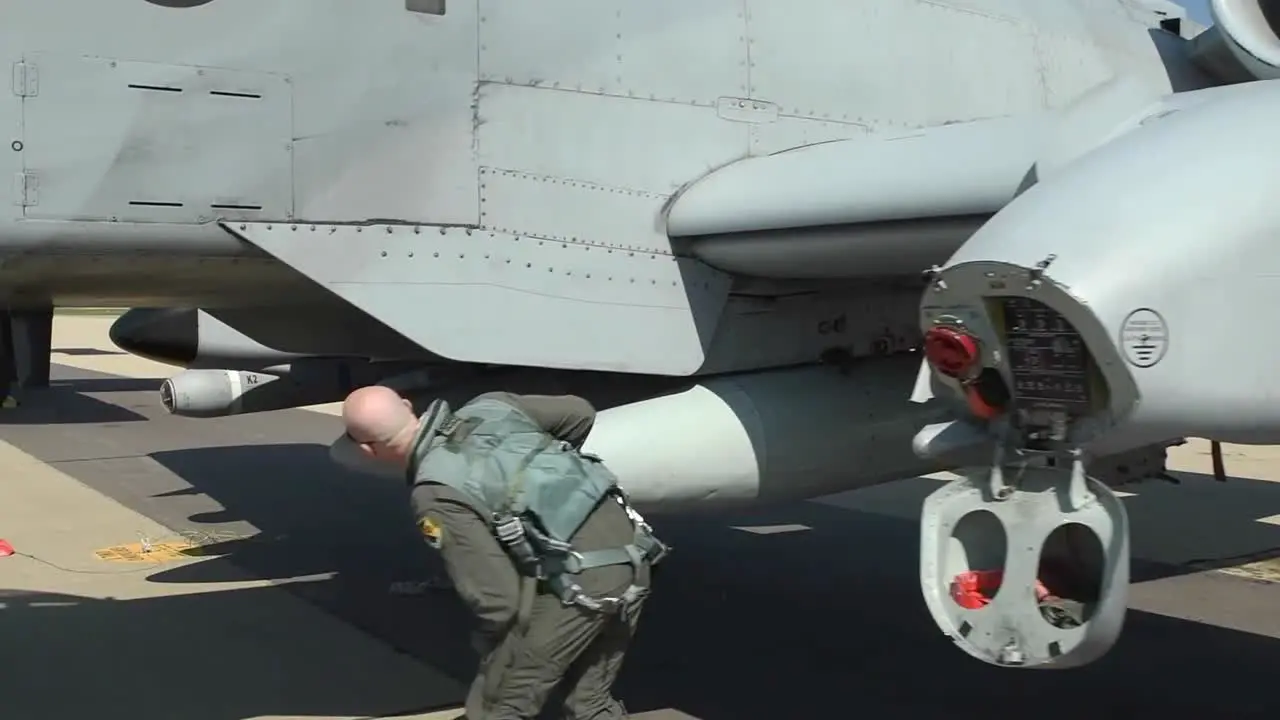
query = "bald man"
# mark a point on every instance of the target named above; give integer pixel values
(530, 641)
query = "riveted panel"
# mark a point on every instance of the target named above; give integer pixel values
(684, 51)
(164, 143)
(1071, 67)
(619, 142)
(763, 332)
(854, 66)
(676, 51)
(551, 208)
(558, 44)
(491, 297)
(386, 126)
(793, 132)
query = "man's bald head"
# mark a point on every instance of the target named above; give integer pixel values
(380, 421)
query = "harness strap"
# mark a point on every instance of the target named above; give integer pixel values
(588, 559)
(570, 593)
(540, 557)
(644, 548)
(515, 491)
(510, 532)
(524, 611)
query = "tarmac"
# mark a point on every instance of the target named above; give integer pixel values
(276, 585)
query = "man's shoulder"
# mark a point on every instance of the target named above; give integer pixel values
(509, 399)
(502, 396)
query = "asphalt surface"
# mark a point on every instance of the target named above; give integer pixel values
(824, 620)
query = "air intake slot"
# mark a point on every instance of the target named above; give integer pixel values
(155, 88)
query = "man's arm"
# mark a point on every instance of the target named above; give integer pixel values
(565, 417)
(481, 571)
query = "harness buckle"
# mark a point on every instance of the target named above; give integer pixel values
(572, 562)
(508, 528)
(658, 552)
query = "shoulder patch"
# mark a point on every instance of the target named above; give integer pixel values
(431, 530)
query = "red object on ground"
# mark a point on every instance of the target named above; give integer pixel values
(975, 589)
(5, 548)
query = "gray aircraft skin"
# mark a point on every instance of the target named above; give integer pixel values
(710, 217)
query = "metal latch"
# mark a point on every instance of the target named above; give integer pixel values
(26, 79)
(26, 189)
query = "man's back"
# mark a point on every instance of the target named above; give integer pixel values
(568, 419)
(523, 661)
(607, 527)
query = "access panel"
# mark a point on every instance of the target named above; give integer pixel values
(150, 142)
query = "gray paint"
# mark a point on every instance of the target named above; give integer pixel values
(1114, 258)
(499, 185)
(1135, 207)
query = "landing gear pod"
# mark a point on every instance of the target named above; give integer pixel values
(1027, 564)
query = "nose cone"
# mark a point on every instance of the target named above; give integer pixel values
(168, 335)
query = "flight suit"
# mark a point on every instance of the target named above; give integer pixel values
(23, 339)
(9, 377)
(525, 655)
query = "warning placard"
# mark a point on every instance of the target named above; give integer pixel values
(159, 552)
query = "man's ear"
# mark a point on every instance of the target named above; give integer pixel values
(407, 403)
(367, 449)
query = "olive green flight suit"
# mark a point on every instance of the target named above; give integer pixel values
(523, 662)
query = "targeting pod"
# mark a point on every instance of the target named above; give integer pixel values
(1025, 562)
(1027, 565)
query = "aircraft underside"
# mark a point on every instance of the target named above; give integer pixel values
(769, 290)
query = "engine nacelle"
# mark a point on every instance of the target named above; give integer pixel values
(758, 437)
(1244, 42)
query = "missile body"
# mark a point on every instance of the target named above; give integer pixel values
(756, 437)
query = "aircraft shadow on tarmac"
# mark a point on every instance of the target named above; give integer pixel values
(823, 622)
(827, 622)
(74, 402)
(144, 659)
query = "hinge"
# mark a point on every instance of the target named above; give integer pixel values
(26, 189)
(26, 79)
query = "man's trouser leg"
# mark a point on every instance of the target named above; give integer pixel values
(589, 684)
(32, 341)
(518, 675)
(8, 366)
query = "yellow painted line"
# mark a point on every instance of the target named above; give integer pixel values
(159, 552)
(1267, 571)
